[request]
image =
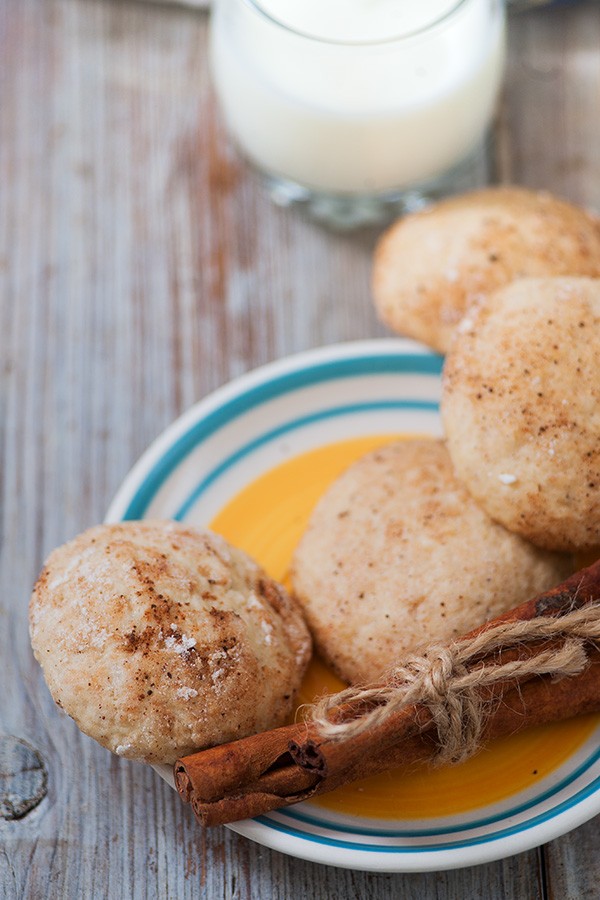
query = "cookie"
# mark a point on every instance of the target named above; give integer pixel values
(160, 639)
(431, 265)
(521, 409)
(397, 555)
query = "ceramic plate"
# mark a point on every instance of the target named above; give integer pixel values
(250, 460)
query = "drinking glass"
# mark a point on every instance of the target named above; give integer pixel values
(360, 109)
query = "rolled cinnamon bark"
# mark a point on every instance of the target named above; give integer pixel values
(277, 768)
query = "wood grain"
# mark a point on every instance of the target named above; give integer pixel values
(141, 265)
(23, 778)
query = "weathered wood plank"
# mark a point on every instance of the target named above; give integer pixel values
(572, 864)
(552, 108)
(142, 265)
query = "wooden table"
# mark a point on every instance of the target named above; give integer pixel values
(141, 266)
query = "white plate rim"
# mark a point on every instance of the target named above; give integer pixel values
(271, 831)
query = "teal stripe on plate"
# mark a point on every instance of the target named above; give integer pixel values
(293, 425)
(423, 848)
(401, 363)
(470, 826)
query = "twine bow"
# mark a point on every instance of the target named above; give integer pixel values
(450, 680)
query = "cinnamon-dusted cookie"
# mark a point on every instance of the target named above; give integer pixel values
(159, 639)
(431, 265)
(521, 409)
(398, 555)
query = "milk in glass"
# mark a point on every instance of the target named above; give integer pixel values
(357, 97)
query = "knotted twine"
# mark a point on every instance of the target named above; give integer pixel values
(450, 680)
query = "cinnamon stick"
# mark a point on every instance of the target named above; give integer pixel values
(277, 768)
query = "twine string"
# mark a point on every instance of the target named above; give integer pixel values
(450, 680)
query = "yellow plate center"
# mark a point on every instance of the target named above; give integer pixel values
(267, 519)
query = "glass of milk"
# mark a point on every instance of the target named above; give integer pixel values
(360, 109)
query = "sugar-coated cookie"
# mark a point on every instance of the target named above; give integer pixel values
(521, 409)
(159, 639)
(398, 555)
(431, 265)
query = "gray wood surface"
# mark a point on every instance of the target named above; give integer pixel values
(141, 266)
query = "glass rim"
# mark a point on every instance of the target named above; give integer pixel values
(257, 7)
